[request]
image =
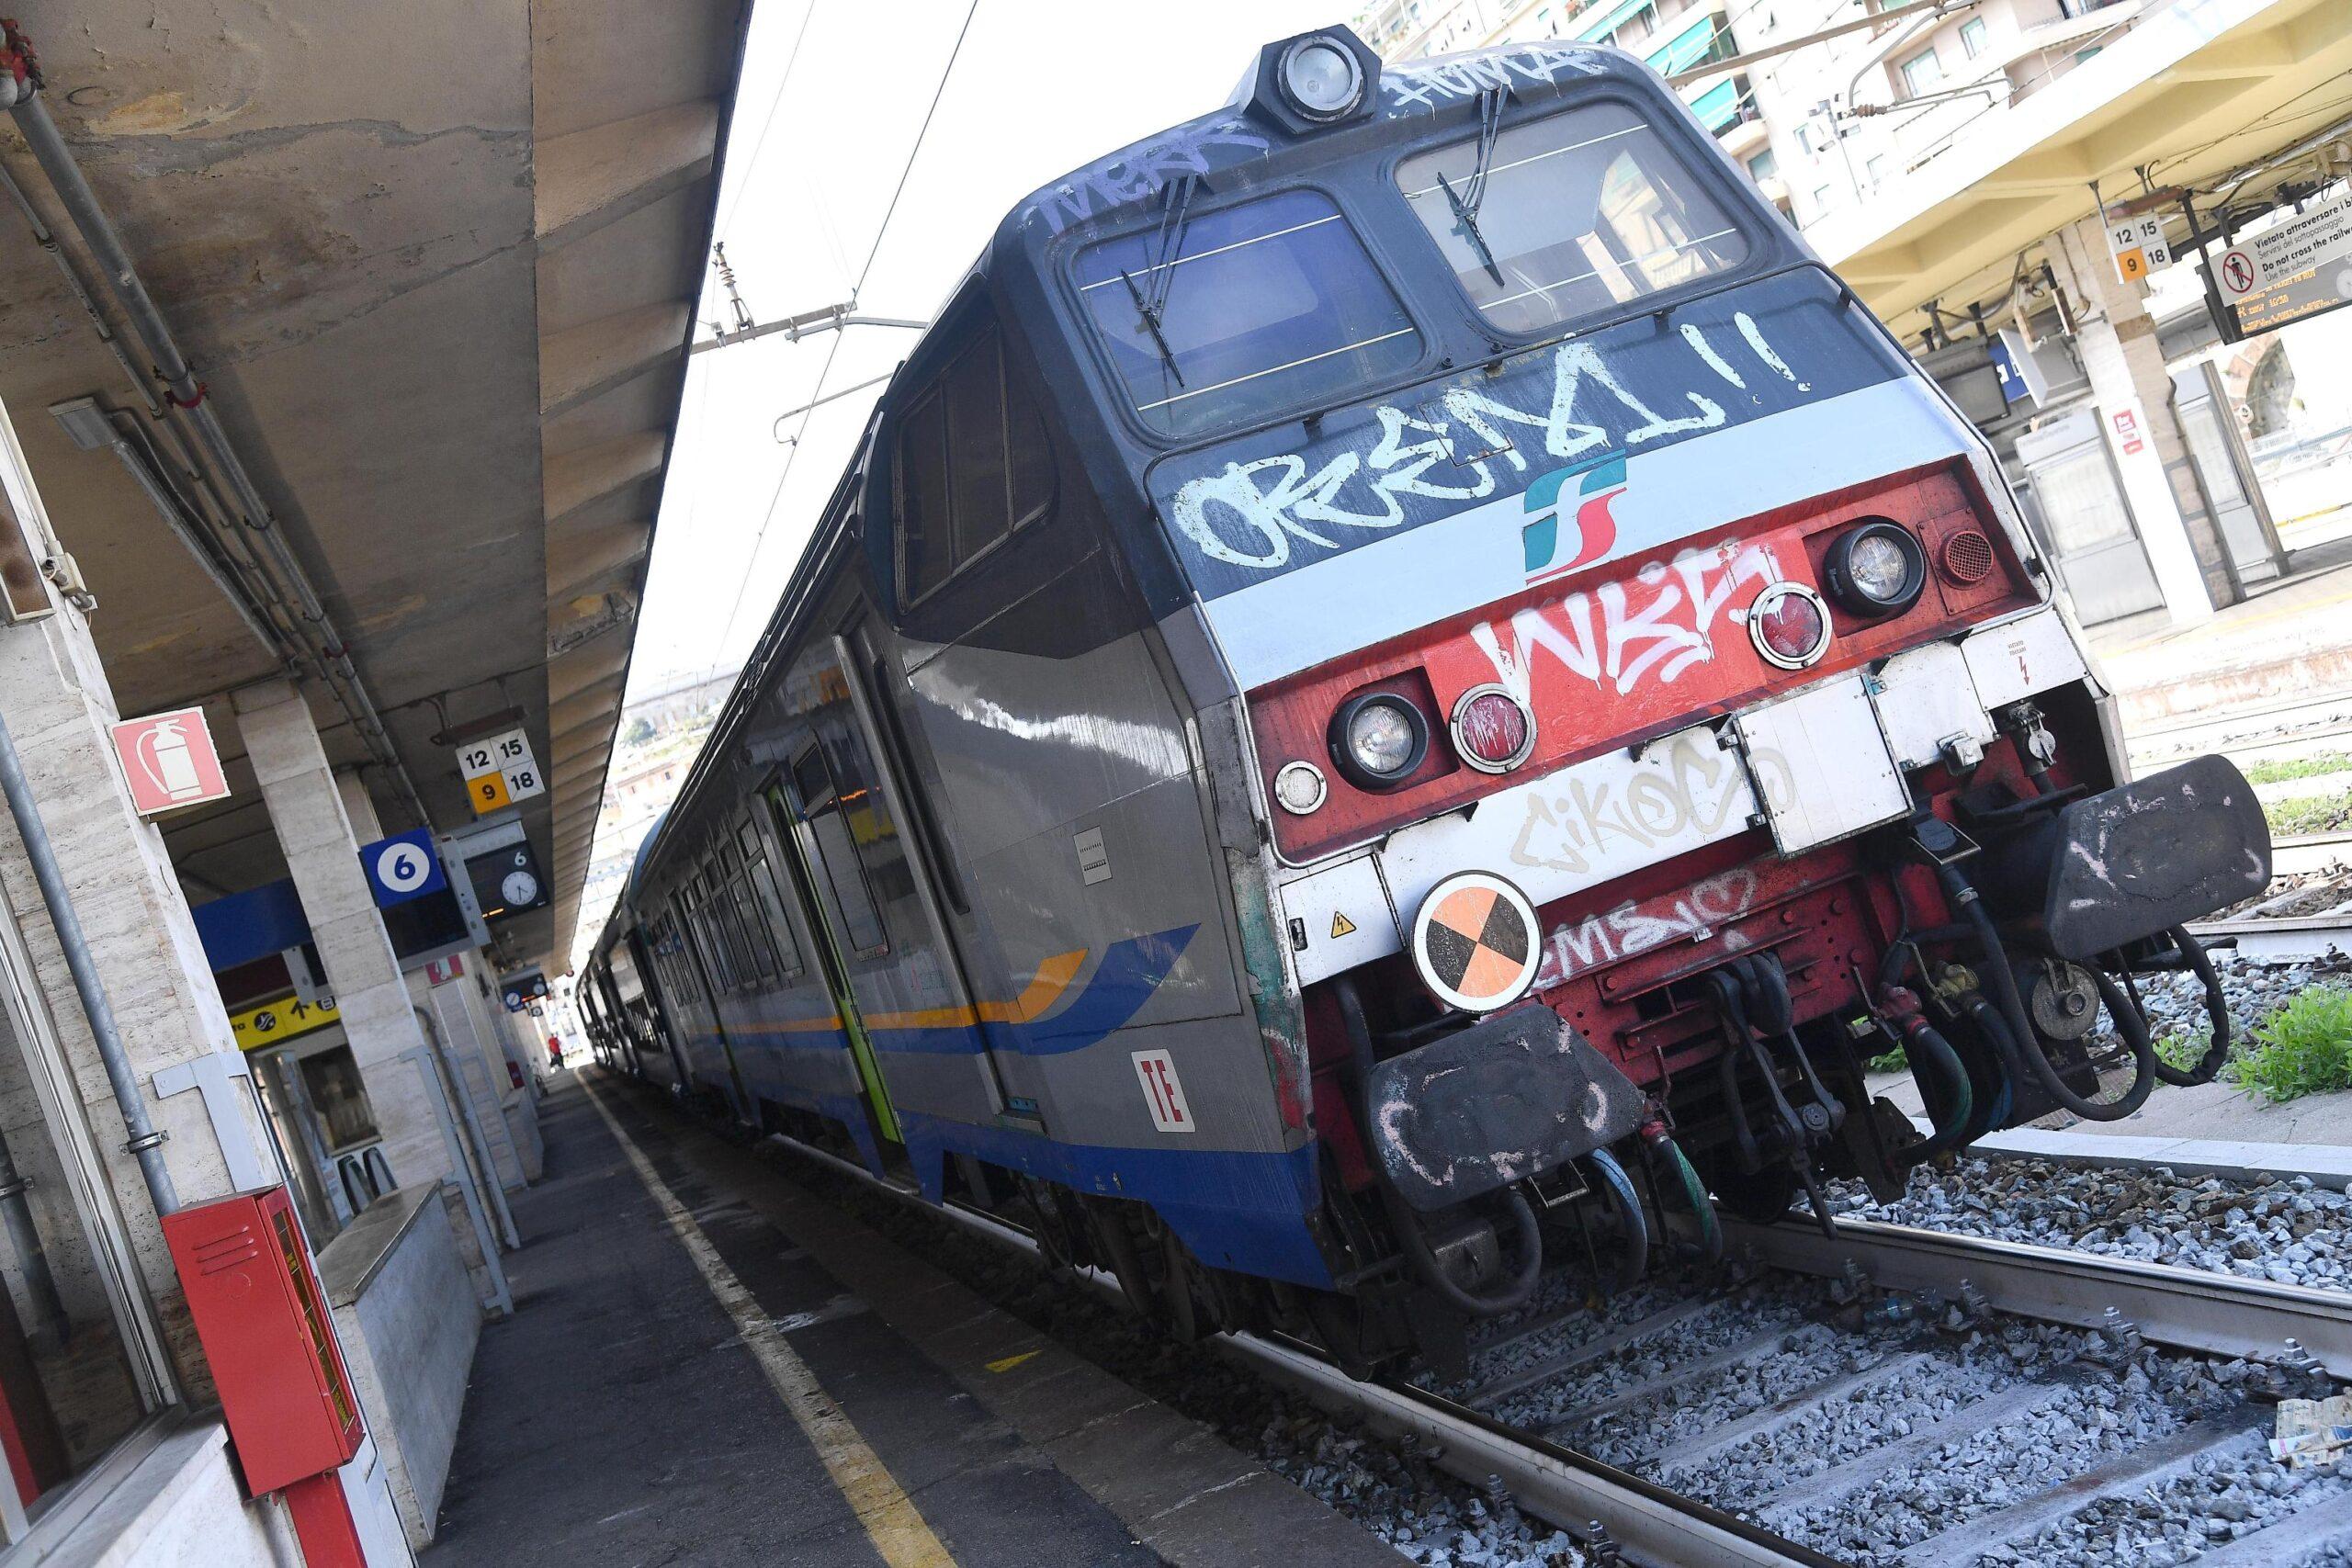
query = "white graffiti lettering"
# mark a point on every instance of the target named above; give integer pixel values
(1587, 826)
(1426, 85)
(1695, 913)
(1657, 626)
(1141, 171)
(1234, 518)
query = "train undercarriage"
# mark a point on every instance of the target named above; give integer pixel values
(1701, 1036)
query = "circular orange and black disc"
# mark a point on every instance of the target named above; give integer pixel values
(1477, 942)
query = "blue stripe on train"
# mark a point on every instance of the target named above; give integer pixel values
(1237, 1210)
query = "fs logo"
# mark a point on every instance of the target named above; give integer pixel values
(1590, 531)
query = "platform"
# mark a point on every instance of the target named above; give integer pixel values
(707, 1367)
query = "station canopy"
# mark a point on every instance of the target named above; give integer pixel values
(435, 264)
(2198, 93)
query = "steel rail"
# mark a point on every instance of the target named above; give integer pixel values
(2188, 1309)
(2297, 854)
(1651, 1523)
(2279, 939)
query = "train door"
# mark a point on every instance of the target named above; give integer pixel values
(791, 832)
(715, 968)
(861, 838)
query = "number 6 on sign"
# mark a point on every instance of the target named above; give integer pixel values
(1163, 1093)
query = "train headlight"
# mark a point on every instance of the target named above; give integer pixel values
(1875, 569)
(1378, 740)
(1299, 788)
(1492, 729)
(1321, 78)
(1789, 625)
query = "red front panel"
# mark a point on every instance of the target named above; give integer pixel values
(1626, 650)
(267, 1336)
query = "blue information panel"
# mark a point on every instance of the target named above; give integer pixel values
(403, 867)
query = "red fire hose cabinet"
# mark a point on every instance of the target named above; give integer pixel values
(267, 1334)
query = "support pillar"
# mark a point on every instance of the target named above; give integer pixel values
(314, 829)
(143, 944)
(2116, 339)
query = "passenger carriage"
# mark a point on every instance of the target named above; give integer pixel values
(1405, 672)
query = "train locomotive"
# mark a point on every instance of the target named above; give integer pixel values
(1407, 683)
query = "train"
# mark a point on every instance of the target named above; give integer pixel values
(1406, 686)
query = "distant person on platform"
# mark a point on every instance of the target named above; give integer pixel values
(555, 1053)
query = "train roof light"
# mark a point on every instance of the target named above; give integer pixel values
(1321, 78)
(1311, 81)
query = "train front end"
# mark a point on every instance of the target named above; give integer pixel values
(1658, 709)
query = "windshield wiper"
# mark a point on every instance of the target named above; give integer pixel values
(1473, 195)
(1151, 304)
(1150, 314)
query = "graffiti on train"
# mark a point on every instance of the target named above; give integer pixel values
(1136, 173)
(1584, 825)
(1416, 85)
(1688, 914)
(1654, 624)
(1406, 464)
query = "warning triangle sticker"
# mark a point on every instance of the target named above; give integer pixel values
(1341, 926)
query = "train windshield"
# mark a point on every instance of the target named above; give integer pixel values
(1218, 317)
(1567, 217)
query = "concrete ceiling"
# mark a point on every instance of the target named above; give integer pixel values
(2197, 89)
(436, 263)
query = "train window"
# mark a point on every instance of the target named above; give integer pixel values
(1567, 216)
(972, 467)
(837, 819)
(755, 928)
(1216, 317)
(770, 901)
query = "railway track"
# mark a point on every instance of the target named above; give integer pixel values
(1892, 1396)
(2307, 914)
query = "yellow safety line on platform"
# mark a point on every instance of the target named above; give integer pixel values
(892, 1521)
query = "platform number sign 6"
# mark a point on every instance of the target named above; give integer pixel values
(403, 868)
(1164, 1092)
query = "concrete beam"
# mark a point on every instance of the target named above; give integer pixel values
(582, 558)
(577, 744)
(592, 763)
(582, 363)
(566, 783)
(600, 703)
(588, 179)
(585, 666)
(576, 479)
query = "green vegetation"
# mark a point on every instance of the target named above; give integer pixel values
(2183, 1052)
(1895, 1061)
(2309, 813)
(2299, 767)
(2303, 1048)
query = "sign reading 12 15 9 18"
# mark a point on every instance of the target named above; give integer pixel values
(499, 771)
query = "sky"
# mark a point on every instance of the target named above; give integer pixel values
(1038, 89)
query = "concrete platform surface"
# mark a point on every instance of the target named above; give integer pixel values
(633, 1410)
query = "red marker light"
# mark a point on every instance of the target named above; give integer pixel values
(1789, 625)
(1493, 731)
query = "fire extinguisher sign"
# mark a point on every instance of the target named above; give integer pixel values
(169, 761)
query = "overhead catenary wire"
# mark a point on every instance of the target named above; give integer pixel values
(768, 123)
(833, 350)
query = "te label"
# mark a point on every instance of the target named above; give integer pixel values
(1164, 1092)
